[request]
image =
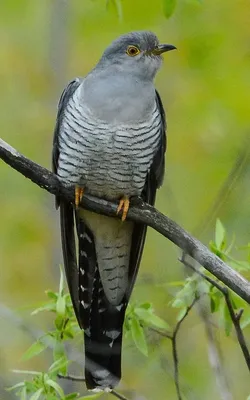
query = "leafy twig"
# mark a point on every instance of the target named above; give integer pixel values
(235, 317)
(174, 348)
(75, 378)
(173, 338)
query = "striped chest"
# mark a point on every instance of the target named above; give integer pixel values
(107, 159)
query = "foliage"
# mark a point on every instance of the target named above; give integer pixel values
(205, 91)
(139, 319)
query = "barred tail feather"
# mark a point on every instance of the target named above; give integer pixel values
(102, 322)
(103, 341)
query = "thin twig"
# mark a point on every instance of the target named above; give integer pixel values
(162, 333)
(174, 348)
(142, 213)
(173, 338)
(235, 317)
(75, 378)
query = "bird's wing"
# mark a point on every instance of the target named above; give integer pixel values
(66, 209)
(153, 182)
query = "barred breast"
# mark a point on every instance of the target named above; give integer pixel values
(109, 160)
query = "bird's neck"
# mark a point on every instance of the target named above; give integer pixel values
(115, 95)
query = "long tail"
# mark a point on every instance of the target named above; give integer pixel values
(102, 322)
(103, 342)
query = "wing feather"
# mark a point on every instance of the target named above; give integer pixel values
(66, 209)
(153, 182)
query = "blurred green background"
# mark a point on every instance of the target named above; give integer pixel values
(205, 88)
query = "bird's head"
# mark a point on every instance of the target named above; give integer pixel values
(138, 53)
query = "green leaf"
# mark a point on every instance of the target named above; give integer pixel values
(181, 313)
(151, 319)
(245, 323)
(220, 234)
(61, 305)
(51, 295)
(37, 394)
(20, 371)
(59, 365)
(178, 303)
(116, 6)
(45, 307)
(35, 349)
(59, 322)
(169, 7)
(59, 354)
(138, 336)
(18, 385)
(61, 284)
(23, 394)
(55, 386)
(72, 396)
(91, 396)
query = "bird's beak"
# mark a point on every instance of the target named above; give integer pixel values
(162, 48)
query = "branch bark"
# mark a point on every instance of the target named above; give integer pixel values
(141, 213)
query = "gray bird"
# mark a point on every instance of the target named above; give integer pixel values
(109, 141)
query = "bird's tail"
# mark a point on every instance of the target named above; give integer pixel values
(102, 322)
(103, 345)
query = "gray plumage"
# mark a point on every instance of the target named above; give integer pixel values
(110, 140)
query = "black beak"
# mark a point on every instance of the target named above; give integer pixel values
(162, 48)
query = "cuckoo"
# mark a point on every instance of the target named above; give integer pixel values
(110, 142)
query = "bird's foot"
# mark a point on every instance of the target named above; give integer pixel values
(124, 206)
(79, 191)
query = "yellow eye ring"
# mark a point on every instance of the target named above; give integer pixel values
(132, 51)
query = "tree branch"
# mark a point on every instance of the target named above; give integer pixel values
(143, 213)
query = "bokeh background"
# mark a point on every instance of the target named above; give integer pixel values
(205, 88)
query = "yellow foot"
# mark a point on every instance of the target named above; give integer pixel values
(124, 206)
(78, 195)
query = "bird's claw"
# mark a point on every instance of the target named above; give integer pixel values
(79, 191)
(124, 206)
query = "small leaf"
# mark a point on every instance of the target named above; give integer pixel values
(147, 306)
(18, 385)
(61, 284)
(169, 7)
(20, 371)
(220, 234)
(181, 313)
(55, 386)
(51, 295)
(45, 307)
(35, 349)
(37, 394)
(116, 6)
(61, 305)
(23, 394)
(59, 322)
(178, 303)
(59, 354)
(72, 396)
(245, 323)
(138, 336)
(150, 318)
(91, 396)
(59, 366)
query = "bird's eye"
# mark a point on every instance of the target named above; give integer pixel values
(132, 51)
